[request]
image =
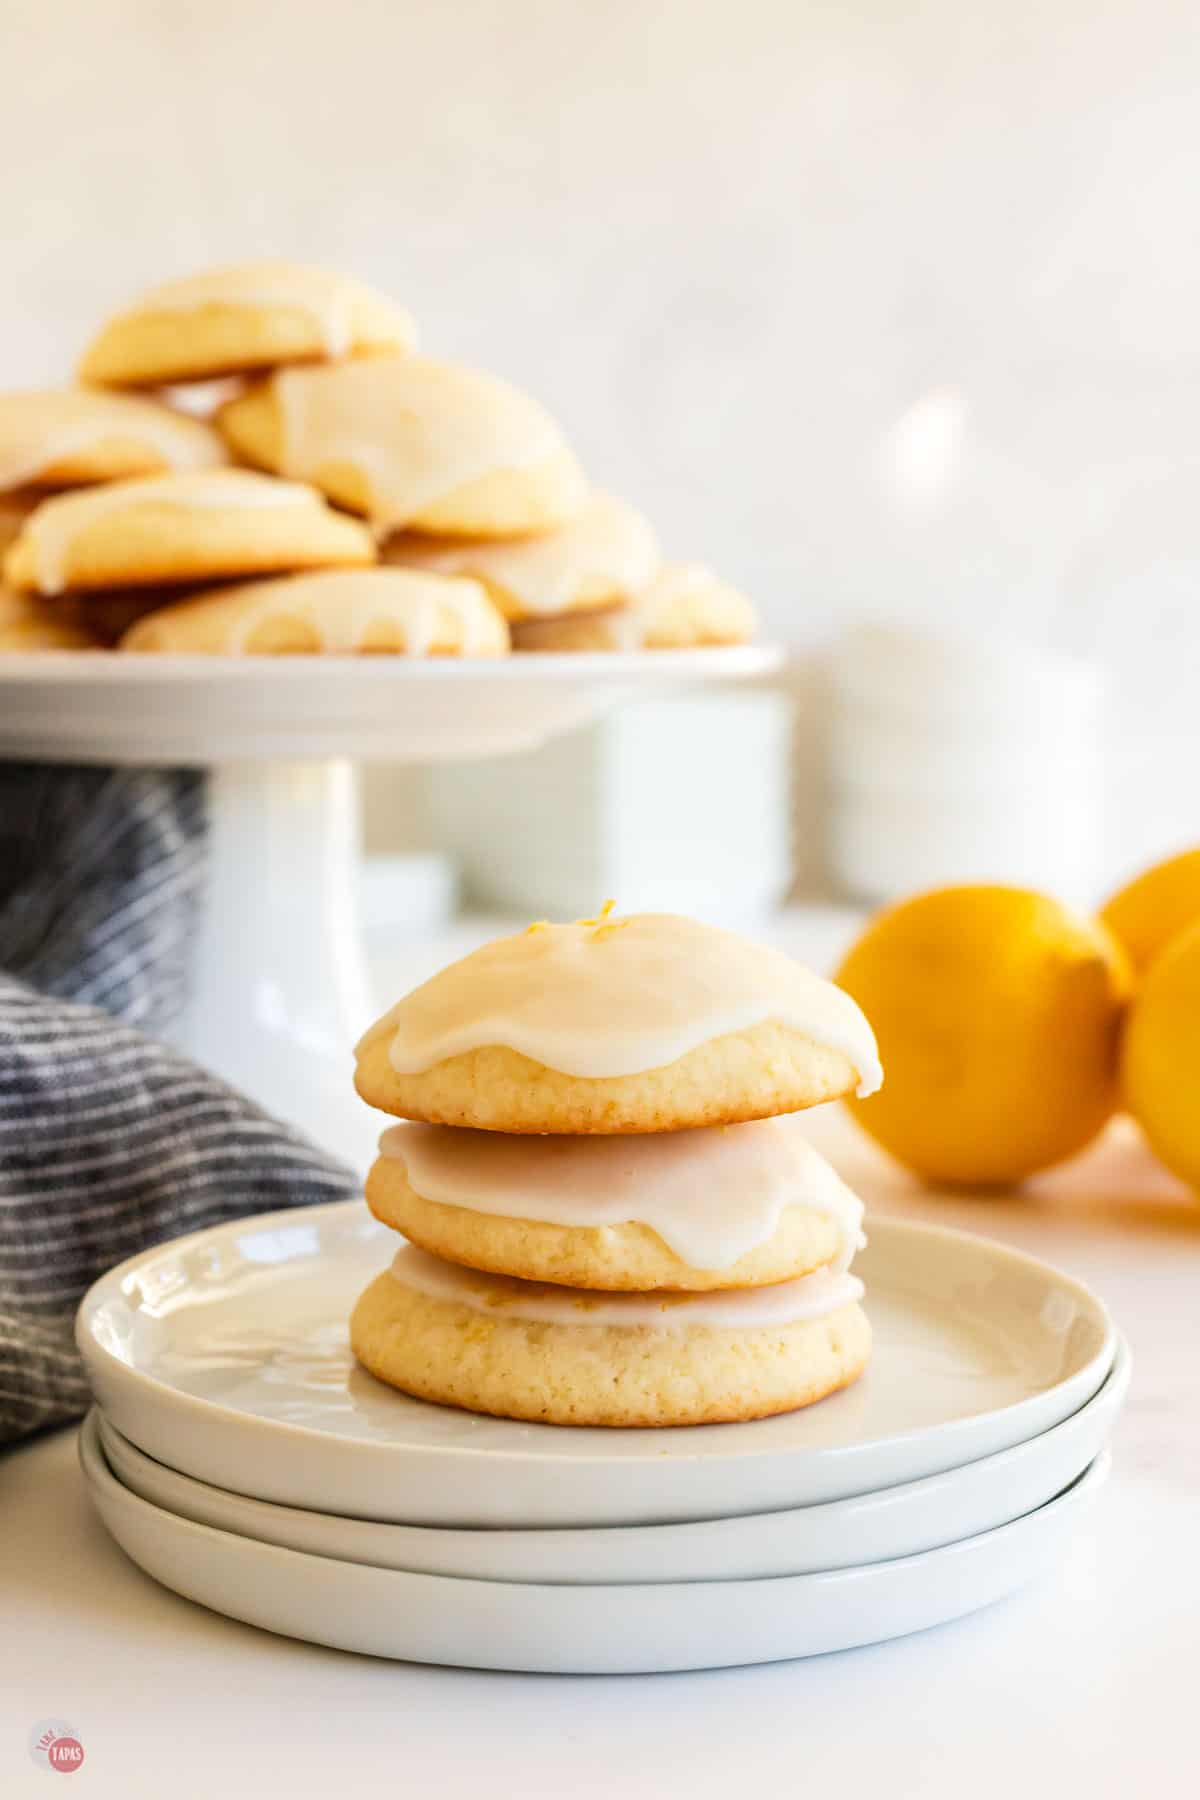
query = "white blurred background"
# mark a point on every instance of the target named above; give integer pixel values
(877, 309)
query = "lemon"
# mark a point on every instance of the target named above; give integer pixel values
(1147, 913)
(1162, 1054)
(998, 1014)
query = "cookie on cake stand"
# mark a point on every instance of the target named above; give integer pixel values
(350, 612)
(412, 444)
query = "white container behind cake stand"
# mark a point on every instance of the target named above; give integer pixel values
(677, 804)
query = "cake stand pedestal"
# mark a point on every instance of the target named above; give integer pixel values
(279, 987)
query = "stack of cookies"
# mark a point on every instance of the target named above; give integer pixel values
(611, 1211)
(363, 451)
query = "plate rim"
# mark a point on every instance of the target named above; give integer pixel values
(850, 1512)
(1090, 1480)
(215, 1410)
(104, 669)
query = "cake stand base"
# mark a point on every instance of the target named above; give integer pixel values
(279, 988)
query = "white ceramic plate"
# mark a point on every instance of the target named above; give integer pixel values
(225, 1355)
(172, 709)
(898, 1521)
(576, 1630)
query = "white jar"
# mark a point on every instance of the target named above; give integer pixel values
(962, 758)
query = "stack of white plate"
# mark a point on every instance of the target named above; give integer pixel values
(240, 1457)
(956, 756)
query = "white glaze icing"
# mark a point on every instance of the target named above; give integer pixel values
(342, 605)
(785, 1303)
(42, 427)
(52, 528)
(609, 549)
(416, 430)
(675, 580)
(712, 1195)
(603, 998)
(326, 297)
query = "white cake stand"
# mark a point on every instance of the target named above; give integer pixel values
(280, 990)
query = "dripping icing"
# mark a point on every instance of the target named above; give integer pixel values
(712, 1194)
(785, 1303)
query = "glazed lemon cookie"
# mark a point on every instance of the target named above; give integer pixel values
(651, 1022)
(687, 605)
(684, 607)
(334, 612)
(727, 1207)
(602, 558)
(237, 320)
(166, 529)
(412, 443)
(27, 622)
(70, 437)
(563, 1356)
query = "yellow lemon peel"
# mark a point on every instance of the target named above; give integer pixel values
(601, 923)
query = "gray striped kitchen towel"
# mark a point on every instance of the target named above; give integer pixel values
(109, 1140)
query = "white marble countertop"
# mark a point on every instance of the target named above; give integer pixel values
(1084, 1683)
